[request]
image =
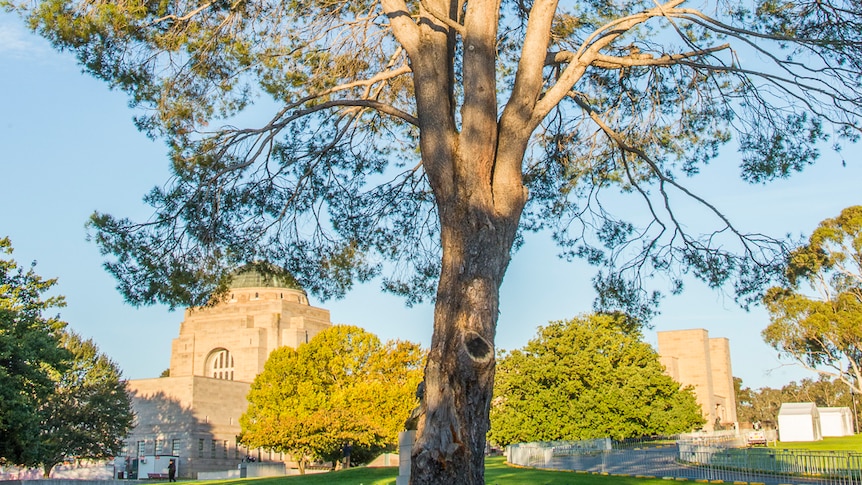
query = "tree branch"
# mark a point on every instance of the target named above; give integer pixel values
(444, 19)
(184, 17)
(663, 179)
(645, 59)
(403, 27)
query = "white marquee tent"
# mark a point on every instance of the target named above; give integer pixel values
(836, 421)
(799, 421)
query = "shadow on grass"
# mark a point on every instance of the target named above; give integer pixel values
(497, 472)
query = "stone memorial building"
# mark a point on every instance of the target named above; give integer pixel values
(694, 359)
(194, 413)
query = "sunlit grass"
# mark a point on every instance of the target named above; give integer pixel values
(353, 476)
(839, 443)
(497, 472)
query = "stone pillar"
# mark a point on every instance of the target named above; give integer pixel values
(405, 448)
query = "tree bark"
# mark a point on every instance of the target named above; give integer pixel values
(478, 189)
(459, 375)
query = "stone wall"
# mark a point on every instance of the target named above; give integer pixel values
(194, 413)
(195, 418)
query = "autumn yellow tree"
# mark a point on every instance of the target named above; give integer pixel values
(343, 386)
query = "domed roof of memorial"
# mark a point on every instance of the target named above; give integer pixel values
(259, 275)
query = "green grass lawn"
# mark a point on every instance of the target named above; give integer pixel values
(496, 473)
(841, 443)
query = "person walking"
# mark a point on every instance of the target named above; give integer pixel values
(172, 471)
(345, 452)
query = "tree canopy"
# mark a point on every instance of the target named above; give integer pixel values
(632, 95)
(588, 377)
(412, 140)
(89, 414)
(59, 397)
(343, 386)
(30, 357)
(816, 316)
(762, 405)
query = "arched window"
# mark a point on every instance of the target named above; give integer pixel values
(220, 365)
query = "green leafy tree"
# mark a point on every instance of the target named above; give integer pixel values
(59, 397)
(90, 411)
(823, 391)
(744, 395)
(816, 316)
(588, 377)
(762, 405)
(759, 405)
(427, 133)
(342, 386)
(30, 355)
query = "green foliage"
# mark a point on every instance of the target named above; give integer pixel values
(30, 357)
(59, 397)
(342, 386)
(90, 412)
(384, 127)
(321, 182)
(823, 391)
(588, 377)
(762, 405)
(822, 332)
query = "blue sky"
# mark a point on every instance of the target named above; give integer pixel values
(69, 147)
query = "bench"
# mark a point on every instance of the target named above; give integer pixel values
(163, 476)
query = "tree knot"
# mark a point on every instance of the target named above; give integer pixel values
(479, 349)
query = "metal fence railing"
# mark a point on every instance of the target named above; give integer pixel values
(698, 457)
(804, 466)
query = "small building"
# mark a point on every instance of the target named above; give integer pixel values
(836, 421)
(799, 421)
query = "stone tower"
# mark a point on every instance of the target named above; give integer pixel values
(693, 359)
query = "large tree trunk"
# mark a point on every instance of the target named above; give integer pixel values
(459, 376)
(475, 174)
